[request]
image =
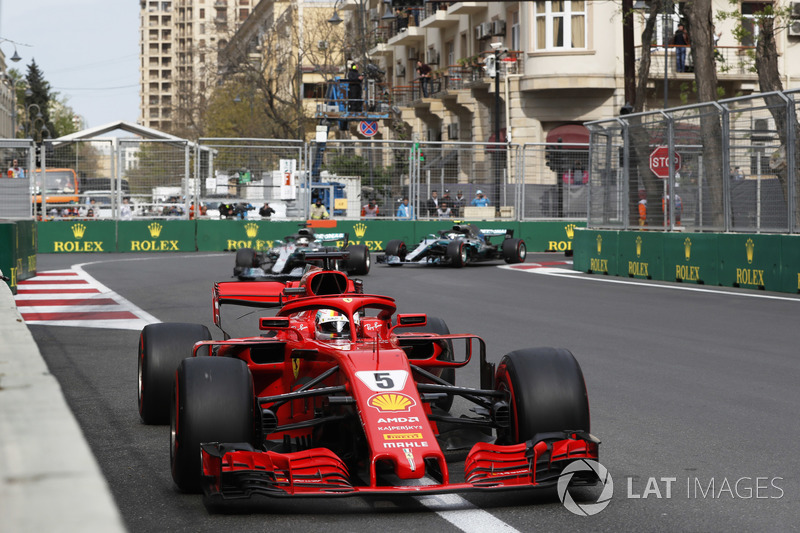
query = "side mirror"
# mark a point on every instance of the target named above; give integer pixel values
(273, 322)
(412, 320)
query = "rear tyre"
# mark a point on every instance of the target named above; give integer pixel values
(439, 326)
(212, 402)
(161, 348)
(397, 248)
(514, 251)
(456, 253)
(359, 261)
(547, 393)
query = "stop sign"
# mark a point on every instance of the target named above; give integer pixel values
(659, 161)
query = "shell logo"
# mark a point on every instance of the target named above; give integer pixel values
(392, 402)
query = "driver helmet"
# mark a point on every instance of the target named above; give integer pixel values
(302, 241)
(331, 324)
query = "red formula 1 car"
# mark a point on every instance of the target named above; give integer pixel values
(339, 396)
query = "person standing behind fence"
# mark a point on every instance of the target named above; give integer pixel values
(681, 41)
(370, 210)
(266, 211)
(480, 200)
(405, 211)
(444, 210)
(125, 212)
(458, 203)
(424, 74)
(318, 211)
(16, 171)
(354, 88)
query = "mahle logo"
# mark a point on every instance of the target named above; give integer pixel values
(155, 229)
(360, 229)
(251, 228)
(585, 509)
(78, 230)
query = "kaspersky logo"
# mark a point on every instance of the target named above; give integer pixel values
(78, 230)
(687, 248)
(360, 230)
(750, 247)
(570, 230)
(155, 229)
(251, 228)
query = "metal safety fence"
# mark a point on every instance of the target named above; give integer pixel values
(730, 165)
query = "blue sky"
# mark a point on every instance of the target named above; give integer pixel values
(88, 51)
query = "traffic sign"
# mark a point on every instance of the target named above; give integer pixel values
(368, 128)
(659, 161)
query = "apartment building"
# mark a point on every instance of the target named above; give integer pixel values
(179, 42)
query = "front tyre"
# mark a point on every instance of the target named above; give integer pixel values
(161, 348)
(396, 248)
(439, 326)
(213, 401)
(514, 251)
(456, 253)
(546, 391)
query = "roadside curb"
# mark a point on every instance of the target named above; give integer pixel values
(49, 479)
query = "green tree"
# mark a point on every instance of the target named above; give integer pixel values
(37, 98)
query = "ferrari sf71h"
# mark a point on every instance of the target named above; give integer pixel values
(337, 395)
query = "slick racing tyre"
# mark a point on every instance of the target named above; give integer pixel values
(245, 258)
(397, 248)
(161, 348)
(359, 261)
(546, 393)
(514, 251)
(212, 402)
(439, 326)
(456, 253)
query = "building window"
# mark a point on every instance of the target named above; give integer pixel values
(560, 25)
(515, 44)
(750, 13)
(202, 13)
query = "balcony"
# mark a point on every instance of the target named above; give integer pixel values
(466, 8)
(733, 62)
(436, 16)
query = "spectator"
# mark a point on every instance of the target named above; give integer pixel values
(424, 75)
(318, 211)
(444, 210)
(94, 209)
(405, 211)
(480, 200)
(681, 42)
(433, 203)
(576, 176)
(125, 212)
(446, 197)
(642, 207)
(370, 210)
(16, 171)
(266, 211)
(459, 202)
(354, 88)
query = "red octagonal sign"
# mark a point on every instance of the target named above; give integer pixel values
(659, 161)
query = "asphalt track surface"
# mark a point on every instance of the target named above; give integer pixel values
(694, 394)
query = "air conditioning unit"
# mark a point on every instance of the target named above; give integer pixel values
(412, 54)
(487, 29)
(794, 28)
(761, 125)
(322, 45)
(433, 57)
(452, 131)
(499, 27)
(399, 70)
(479, 32)
(795, 9)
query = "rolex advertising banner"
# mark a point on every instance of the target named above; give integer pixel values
(596, 252)
(750, 261)
(691, 258)
(790, 266)
(157, 236)
(70, 236)
(641, 254)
